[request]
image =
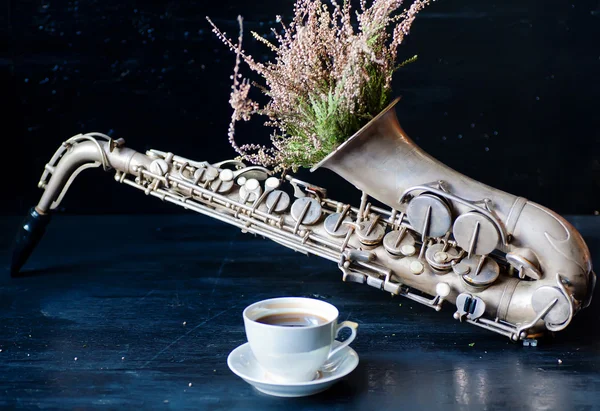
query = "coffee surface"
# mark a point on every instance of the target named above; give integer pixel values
(292, 319)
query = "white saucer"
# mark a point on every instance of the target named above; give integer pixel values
(243, 363)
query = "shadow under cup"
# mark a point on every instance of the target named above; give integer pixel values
(291, 354)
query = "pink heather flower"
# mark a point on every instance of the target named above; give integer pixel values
(327, 80)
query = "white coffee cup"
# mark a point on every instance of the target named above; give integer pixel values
(294, 354)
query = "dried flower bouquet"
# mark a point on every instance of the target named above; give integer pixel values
(331, 75)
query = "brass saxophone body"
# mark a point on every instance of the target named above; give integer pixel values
(507, 264)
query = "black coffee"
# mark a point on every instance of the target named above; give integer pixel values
(292, 320)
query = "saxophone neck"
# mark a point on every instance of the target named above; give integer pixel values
(79, 153)
(75, 155)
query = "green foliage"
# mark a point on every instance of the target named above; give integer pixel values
(322, 124)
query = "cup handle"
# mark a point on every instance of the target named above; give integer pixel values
(345, 324)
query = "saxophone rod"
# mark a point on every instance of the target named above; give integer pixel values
(93, 155)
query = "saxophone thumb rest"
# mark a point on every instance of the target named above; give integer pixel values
(508, 265)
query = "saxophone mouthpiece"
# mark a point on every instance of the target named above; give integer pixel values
(30, 232)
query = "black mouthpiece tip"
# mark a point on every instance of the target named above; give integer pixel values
(28, 236)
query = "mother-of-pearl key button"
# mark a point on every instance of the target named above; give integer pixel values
(416, 267)
(211, 173)
(442, 289)
(252, 184)
(226, 175)
(399, 243)
(408, 250)
(271, 183)
(251, 190)
(440, 257)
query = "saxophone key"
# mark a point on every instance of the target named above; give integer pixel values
(475, 233)
(559, 311)
(443, 290)
(525, 262)
(416, 267)
(159, 167)
(399, 243)
(440, 257)
(226, 175)
(482, 272)
(277, 201)
(469, 306)
(205, 174)
(306, 211)
(199, 175)
(250, 191)
(408, 250)
(221, 186)
(334, 224)
(272, 183)
(211, 173)
(429, 215)
(370, 232)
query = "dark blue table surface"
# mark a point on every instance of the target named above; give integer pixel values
(128, 311)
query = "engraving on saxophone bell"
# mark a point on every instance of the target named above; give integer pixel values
(306, 210)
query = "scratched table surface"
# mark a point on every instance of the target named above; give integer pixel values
(142, 311)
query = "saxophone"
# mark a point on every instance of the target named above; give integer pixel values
(507, 264)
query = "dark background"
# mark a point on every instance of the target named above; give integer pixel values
(505, 92)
